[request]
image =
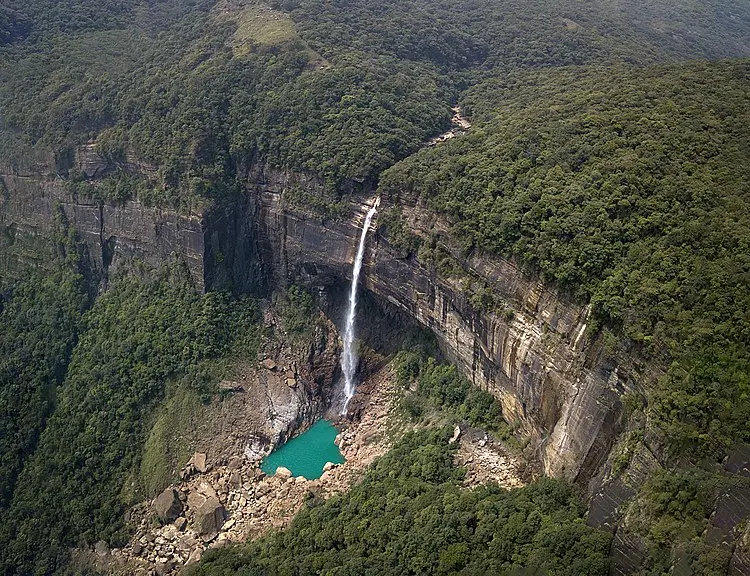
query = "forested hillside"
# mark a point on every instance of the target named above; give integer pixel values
(609, 156)
(135, 339)
(628, 188)
(342, 90)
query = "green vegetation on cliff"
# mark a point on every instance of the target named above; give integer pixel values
(410, 516)
(627, 187)
(136, 337)
(442, 386)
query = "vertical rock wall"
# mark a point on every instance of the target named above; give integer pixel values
(536, 356)
(538, 360)
(32, 207)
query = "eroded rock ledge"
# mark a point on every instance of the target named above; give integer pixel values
(538, 360)
(537, 357)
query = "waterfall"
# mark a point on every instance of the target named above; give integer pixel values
(349, 356)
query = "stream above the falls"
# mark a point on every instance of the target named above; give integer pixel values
(306, 454)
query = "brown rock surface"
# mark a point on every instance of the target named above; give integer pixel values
(167, 505)
(209, 518)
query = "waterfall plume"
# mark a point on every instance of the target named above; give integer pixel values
(349, 356)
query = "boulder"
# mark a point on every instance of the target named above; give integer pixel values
(195, 556)
(269, 364)
(283, 473)
(235, 479)
(456, 434)
(180, 523)
(230, 386)
(209, 519)
(328, 466)
(101, 548)
(207, 490)
(167, 506)
(199, 462)
(195, 499)
(163, 567)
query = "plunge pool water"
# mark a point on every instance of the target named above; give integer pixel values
(306, 454)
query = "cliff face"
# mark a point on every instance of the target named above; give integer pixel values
(539, 360)
(33, 205)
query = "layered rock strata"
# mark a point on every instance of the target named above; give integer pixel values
(535, 356)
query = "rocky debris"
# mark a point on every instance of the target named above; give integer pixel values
(194, 558)
(164, 567)
(283, 473)
(200, 493)
(209, 519)
(196, 464)
(487, 461)
(167, 506)
(235, 501)
(230, 386)
(255, 449)
(268, 364)
(459, 125)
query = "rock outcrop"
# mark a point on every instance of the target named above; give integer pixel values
(536, 356)
(167, 506)
(114, 234)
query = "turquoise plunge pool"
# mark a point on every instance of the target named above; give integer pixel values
(306, 454)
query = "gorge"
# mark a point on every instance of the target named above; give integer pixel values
(503, 247)
(551, 379)
(556, 384)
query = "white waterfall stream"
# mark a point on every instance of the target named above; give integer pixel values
(349, 355)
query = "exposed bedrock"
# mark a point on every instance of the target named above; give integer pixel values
(538, 360)
(536, 357)
(114, 234)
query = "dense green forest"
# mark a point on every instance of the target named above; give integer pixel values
(441, 386)
(40, 320)
(631, 196)
(135, 338)
(342, 90)
(599, 159)
(409, 516)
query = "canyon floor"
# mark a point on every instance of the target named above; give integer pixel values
(230, 499)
